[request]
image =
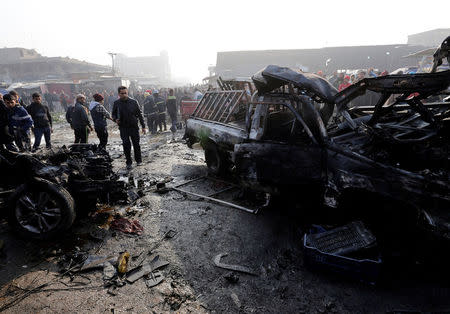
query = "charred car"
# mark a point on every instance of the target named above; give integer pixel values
(41, 194)
(299, 136)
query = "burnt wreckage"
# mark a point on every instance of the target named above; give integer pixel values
(297, 135)
(41, 194)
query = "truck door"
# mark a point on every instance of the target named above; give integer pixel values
(283, 155)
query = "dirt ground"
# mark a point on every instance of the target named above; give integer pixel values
(269, 243)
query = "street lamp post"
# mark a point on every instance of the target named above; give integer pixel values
(112, 54)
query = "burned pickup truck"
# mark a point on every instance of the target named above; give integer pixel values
(40, 194)
(298, 136)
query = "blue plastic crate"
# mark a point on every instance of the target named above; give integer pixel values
(367, 270)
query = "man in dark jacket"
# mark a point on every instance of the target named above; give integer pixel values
(126, 113)
(99, 115)
(171, 105)
(151, 111)
(80, 120)
(42, 121)
(161, 104)
(5, 137)
(20, 122)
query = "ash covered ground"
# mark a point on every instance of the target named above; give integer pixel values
(269, 243)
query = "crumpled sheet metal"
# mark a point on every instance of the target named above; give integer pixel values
(127, 226)
(274, 76)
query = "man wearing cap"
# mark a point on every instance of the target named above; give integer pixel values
(80, 120)
(99, 115)
(126, 113)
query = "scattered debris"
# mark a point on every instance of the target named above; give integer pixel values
(109, 271)
(122, 262)
(238, 268)
(154, 278)
(253, 211)
(93, 262)
(161, 188)
(112, 290)
(236, 300)
(146, 269)
(74, 178)
(231, 277)
(127, 226)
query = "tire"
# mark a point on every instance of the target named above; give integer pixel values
(215, 160)
(40, 210)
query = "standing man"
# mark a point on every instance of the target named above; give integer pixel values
(42, 121)
(126, 113)
(151, 111)
(99, 115)
(63, 100)
(20, 122)
(5, 136)
(80, 120)
(161, 105)
(172, 110)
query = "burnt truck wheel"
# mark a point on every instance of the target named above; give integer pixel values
(215, 160)
(40, 210)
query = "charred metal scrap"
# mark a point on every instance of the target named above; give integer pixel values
(42, 193)
(298, 133)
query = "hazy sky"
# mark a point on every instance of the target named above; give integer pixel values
(193, 31)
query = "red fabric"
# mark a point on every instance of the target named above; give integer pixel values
(344, 86)
(127, 226)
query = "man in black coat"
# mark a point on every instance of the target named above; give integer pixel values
(42, 121)
(80, 120)
(125, 113)
(5, 137)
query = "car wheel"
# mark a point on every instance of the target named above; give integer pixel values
(215, 160)
(40, 209)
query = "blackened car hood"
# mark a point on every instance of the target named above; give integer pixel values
(273, 77)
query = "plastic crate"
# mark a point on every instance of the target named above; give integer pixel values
(343, 240)
(364, 269)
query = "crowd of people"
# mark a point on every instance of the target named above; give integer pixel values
(125, 108)
(342, 79)
(19, 120)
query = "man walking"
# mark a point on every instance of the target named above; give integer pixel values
(42, 121)
(126, 113)
(99, 115)
(80, 120)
